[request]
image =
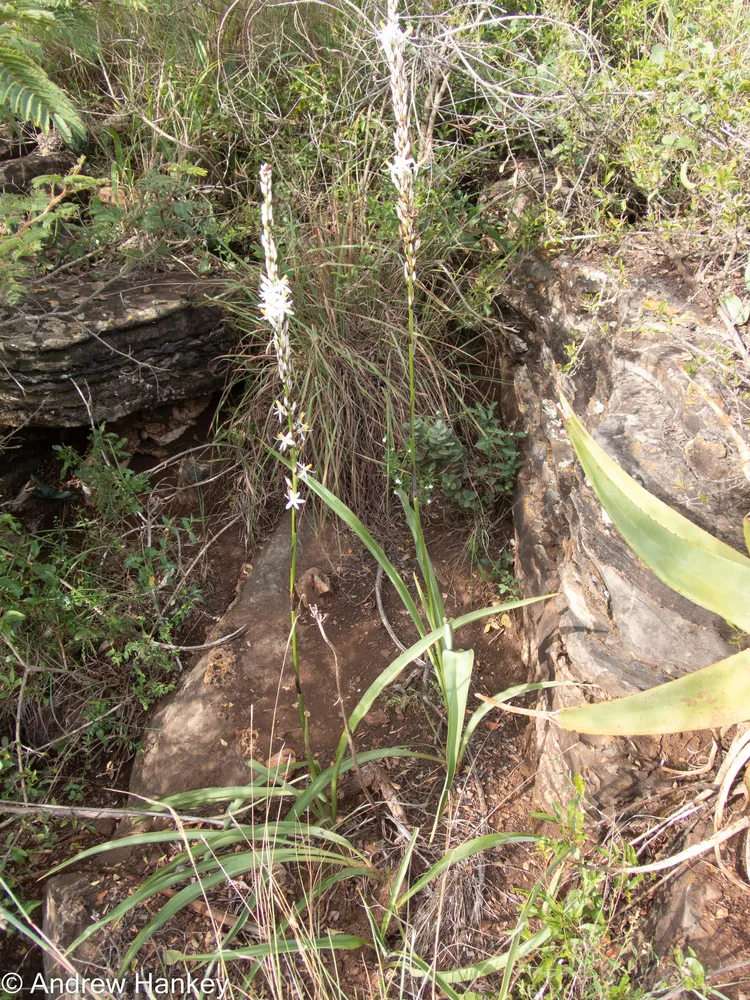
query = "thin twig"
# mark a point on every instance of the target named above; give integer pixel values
(19, 754)
(517, 710)
(87, 812)
(204, 645)
(319, 619)
(80, 729)
(384, 618)
(688, 854)
(200, 555)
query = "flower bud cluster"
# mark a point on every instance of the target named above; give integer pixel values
(404, 167)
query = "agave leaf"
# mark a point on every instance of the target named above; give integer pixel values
(746, 530)
(715, 696)
(684, 556)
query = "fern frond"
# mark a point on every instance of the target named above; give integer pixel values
(32, 96)
(10, 36)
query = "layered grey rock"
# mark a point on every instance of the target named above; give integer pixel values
(614, 623)
(69, 908)
(110, 348)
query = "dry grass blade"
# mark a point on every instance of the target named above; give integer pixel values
(688, 854)
(737, 757)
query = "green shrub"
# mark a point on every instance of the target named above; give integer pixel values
(88, 610)
(472, 477)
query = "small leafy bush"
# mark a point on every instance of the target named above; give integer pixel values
(472, 477)
(92, 606)
(32, 225)
(104, 477)
(64, 218)
(498, 571)
(589, 950)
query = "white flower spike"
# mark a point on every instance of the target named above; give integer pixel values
(275, 300)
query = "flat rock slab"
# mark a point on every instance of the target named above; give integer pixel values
(239, 699)
(108, 347)
(70, 906)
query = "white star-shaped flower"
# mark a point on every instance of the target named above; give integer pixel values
(402, 168)
(293, 498)
(285, 441)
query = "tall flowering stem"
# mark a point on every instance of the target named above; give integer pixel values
(276, 307)
(403, 171)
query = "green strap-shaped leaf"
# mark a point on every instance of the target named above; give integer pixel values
(391, 673)
(290, 946)
(684, 556)
(466, 850)
(716, 696)
(351, 520)
(458, 665)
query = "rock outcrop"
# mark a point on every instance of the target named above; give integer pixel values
(88, 351)
(640, 374)
(70, 907)
(17, 175)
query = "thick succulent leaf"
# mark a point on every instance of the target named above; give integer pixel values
(716, 696)
(686, 558)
